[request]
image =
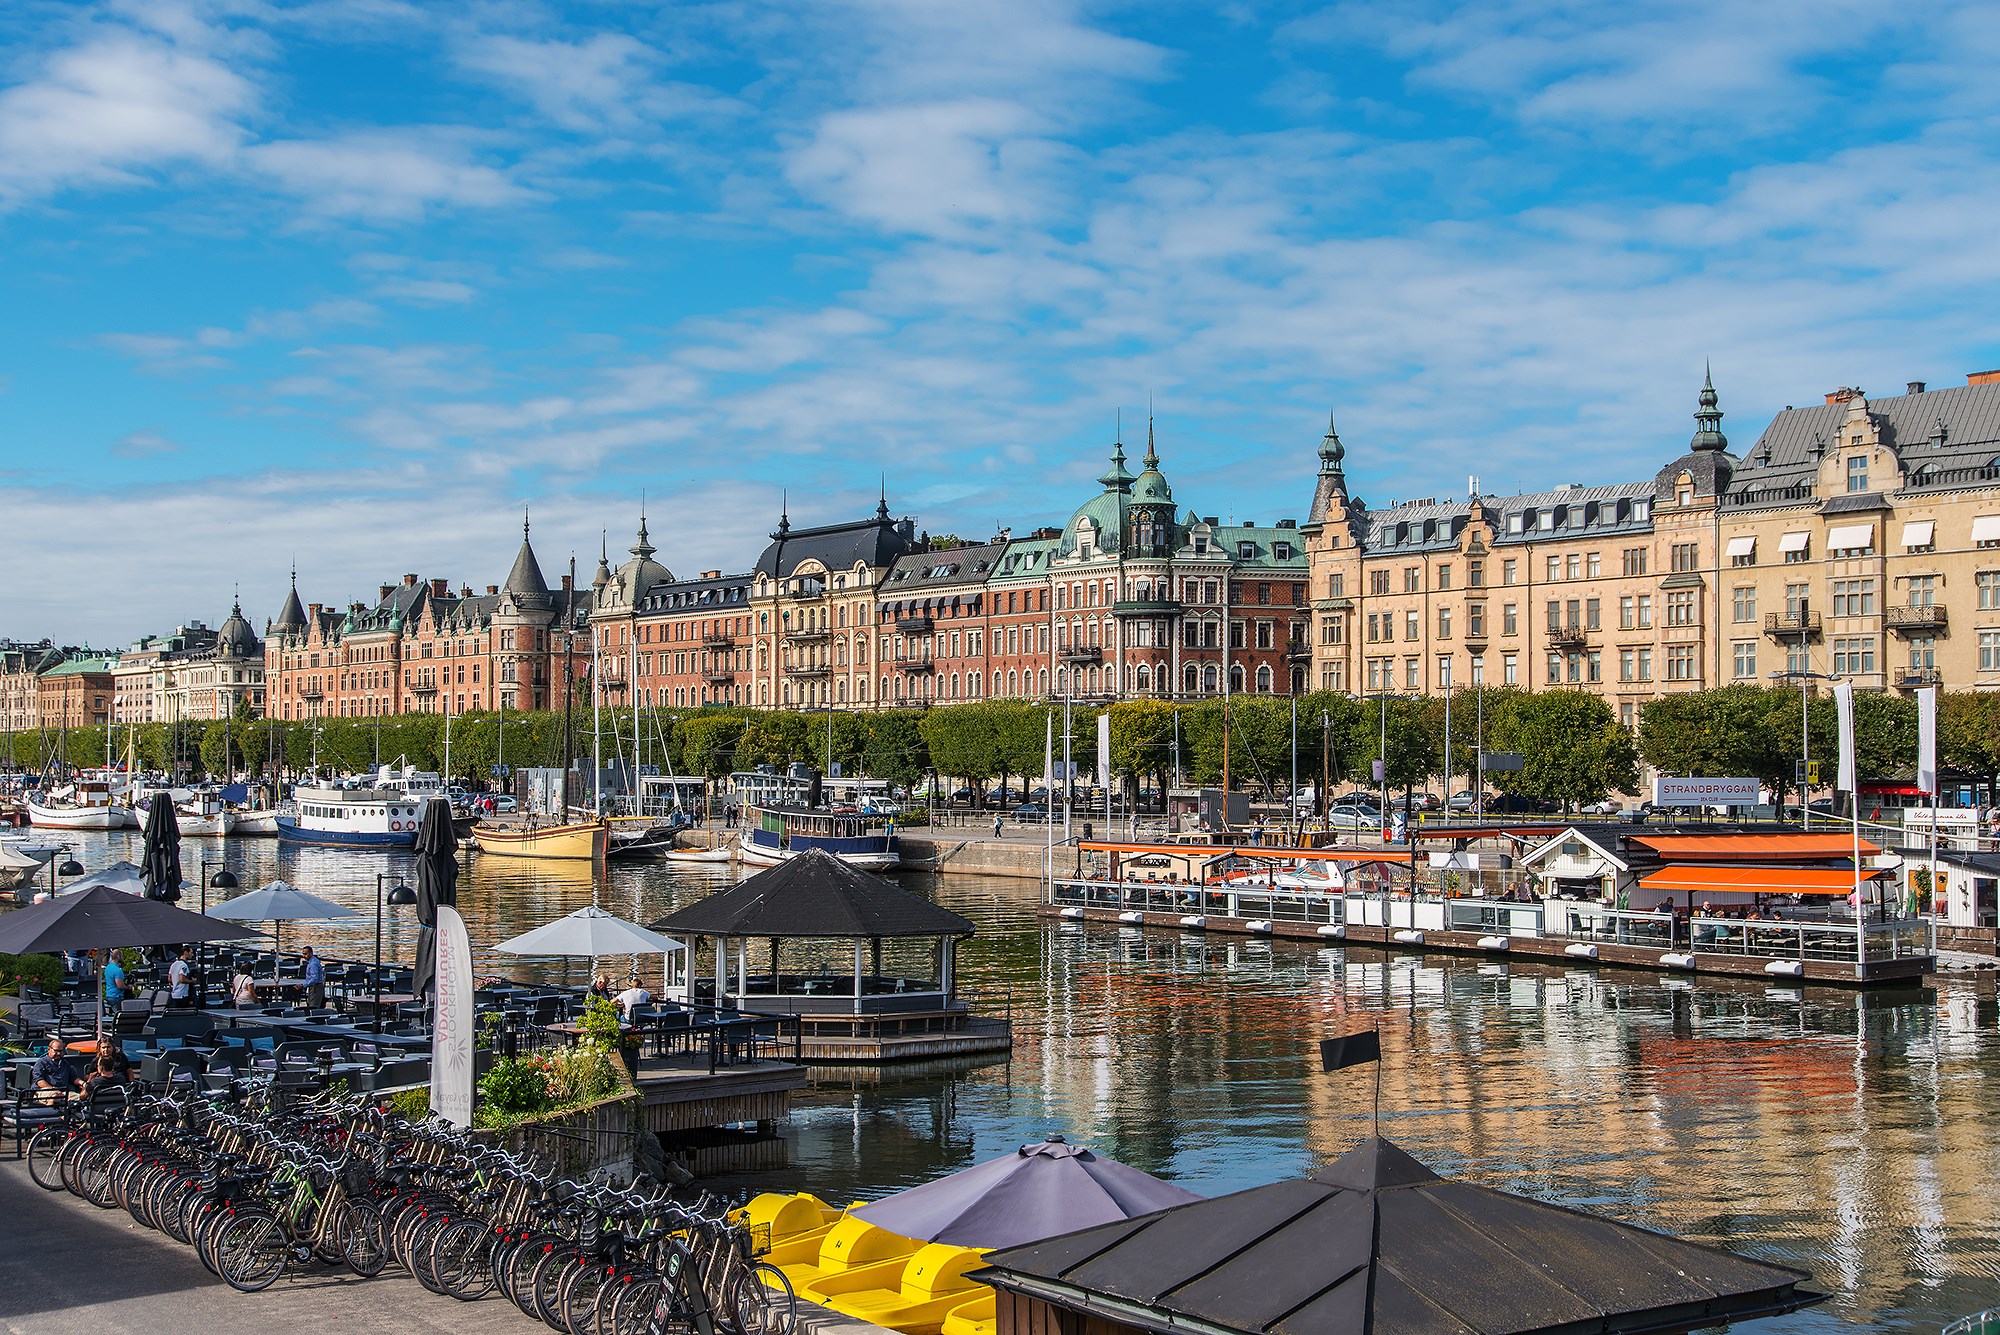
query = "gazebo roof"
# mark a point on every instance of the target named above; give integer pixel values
(815, 894)
(1377, 1244)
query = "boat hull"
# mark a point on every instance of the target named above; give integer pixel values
(566, 843)
(291, 832)
(76, 818)
(256, 822)
(220, 825)
(872, 853)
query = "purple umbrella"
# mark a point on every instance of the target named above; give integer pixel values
(1036, 1192)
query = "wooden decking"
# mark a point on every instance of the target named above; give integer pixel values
(681, 1094)
(1905, 970)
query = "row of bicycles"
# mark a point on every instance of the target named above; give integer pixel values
(259, 1189)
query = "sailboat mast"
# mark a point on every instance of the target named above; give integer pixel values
(596, 726)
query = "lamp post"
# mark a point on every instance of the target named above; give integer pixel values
(224, 879)
(400, 894)
(1802, 676)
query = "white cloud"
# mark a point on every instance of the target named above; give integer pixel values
(385, 175)
(603, 82)
(115, 109)
(143, 445)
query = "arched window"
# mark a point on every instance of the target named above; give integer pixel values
(1209, 678)
(1190, 679)
(1145, 678)
(1236, 678)
(1264, 679)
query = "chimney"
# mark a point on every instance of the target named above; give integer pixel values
(711, 574)
(1914, 387)
(313, 610)
(567, 577)
(409, 581)
(465, 591)
(1842, 395)
(440, 588)
(1983, 378)
(493, 588)
(382, 592)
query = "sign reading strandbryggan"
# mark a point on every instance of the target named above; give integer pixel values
(1671, 792)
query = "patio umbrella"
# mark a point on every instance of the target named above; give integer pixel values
(437, 883)
(125, 877)
(279, 902)
(161, 862)
(1036, 1192)
(590, 931)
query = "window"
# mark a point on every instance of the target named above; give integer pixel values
(1854, 655)
(1797, 599)
(1680, 662)
(1592, 619)
(1335, 586)
(1923, 653)
(1413, 579)
(1857, 473)
(1854, 597)
(1444, 672)
(1798, 657)
(1374, 629)
(1330, 630)
(1444, 576)
(1378, 582)
(1594, 565)
(1475, 574)
(1797, 548)
(1923, 590)
(1555, 669)
(1555, 615)
(1413, 625)
(1246, 551)
(1413, 673)
(1989, 651)
(1475, 621)
(1625, 614)
(1635, 560)
(1681, 607)
(1628, 716)
(1743, 604)
(1444, 623)
(1625, 657)
(1510, 665)
(1746, 659)
(1686, 556)
(1510, 622)
(1264, 634)
(1573, 566)
(1645, 611)
(1988, 584)
(1281, 551)
(1745, 556)
(1263, 595)
(1508, 570)
(1555, 568)
(1593, 666)
(1645, 665)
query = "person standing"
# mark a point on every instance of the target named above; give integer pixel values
(315, 979)
(114, 978)
(180, 978)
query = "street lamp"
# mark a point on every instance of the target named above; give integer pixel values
(1802, 677)
(400, 894)
(224, 879)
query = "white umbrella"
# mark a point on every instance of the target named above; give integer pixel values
(593, 932)
(124, 877)
(279, 902)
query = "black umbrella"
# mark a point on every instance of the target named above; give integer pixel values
(161, 862)
(101, 918)
(437, 883)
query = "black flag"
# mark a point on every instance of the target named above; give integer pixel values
(1337, 1054)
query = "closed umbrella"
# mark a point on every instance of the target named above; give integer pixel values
(279, 902)
(161, 862)
(437, 883)
(1036, 1192)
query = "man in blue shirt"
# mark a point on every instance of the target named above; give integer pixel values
(315, 980)
(51, 1075)
(114, 979)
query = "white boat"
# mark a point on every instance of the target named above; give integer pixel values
(68, 816)
(215, 825)
(263, 822)
(777, 834)
(724, 852)
(28, 845)
(16, 868)
(358, 817)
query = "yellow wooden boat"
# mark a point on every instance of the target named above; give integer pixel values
(570, 843)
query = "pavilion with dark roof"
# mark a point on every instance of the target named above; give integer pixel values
(1377, 1244)
(869, 969)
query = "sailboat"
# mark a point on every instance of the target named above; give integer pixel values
(533, 836)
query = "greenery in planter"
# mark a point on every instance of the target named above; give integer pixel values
(514, 1087)
(44, 972)
(414, 1104)
(599, 1025)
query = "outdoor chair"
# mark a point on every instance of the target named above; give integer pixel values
(23, 1114)
(32, 1021)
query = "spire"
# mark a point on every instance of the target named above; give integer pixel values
(293, 615)
(784, 513)
(1708, 418)
(643, 548)
(603, 575)
(1331, 491)
(1331, 451)
(882, 505)
(1118, 477)
(1152, 455)
(524, 582)
(524, 522)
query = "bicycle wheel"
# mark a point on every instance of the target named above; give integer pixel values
(250, 1249)
(549, 1273)
(361, 1243)
(44, 1154)
(632, 1309)
(765, 1303)
(93, 1175)
(458, 1259)
(576, 1297)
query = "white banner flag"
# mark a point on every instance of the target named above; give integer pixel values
(1927, 740)
(1843, 707)
(1104, 749)
(451, 1042)
(1049, 761)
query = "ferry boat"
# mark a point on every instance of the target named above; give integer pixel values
(368, 817)
(774, 834)
(580, 842)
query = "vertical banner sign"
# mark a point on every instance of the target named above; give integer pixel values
(1927, 740)
(451, 1041)
(1104, 749)
(1843, 706)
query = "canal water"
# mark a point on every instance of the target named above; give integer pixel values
(1855, 1137)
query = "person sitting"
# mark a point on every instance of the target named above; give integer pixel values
(632, 998)
(51, 1074)
(112, 1071)
(600, 986)
(243, 990)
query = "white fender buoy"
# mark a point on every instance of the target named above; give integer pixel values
(1334, 930)
(1258, 925)
(1492, 943)
(1786, 968)
(1194, 922)
(1671, 960)
(1410, 937)
(1583, 950)
(1131, 915)
(1072, 912)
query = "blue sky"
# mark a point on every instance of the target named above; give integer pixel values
(348, 282)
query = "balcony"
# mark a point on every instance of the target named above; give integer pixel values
(721, 677)
(1082, 653)
(915, 665)
(1145, 607)
(1298, 653)
(914, 625)
(310, 692)
(1910, 679)
(718, 641)
(813, 636)
(1781, 625)
(809, 670)
(1567, 637)
(1917, 619)
(423, 688)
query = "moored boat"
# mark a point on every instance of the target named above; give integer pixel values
(776, 834)
(724, 852)
(264, 822)
(68, 816)
(351, 817)
(570, 843)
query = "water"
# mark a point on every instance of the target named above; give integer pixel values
(1851, 1136)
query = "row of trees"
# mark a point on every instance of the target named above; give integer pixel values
(1574, 749)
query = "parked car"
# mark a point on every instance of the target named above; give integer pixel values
(504, 802)
(1352, 818)
(1030, 813)
(1464, 800)
(881, 807)
(1610, 806)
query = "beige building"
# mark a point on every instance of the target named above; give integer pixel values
(1851, 538)
(194, 673)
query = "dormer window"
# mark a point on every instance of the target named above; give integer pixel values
(1246, 551)
(1282, 551)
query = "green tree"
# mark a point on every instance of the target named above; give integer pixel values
(895, 749)
(708, 743)
(1572, 747)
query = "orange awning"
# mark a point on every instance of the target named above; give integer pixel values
(1753, 847)
(1759, 880)
(1268, 851)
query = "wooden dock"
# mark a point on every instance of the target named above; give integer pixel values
(1906, 970)
(681, 1094)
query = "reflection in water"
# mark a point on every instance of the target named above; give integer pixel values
(1853, 1136)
